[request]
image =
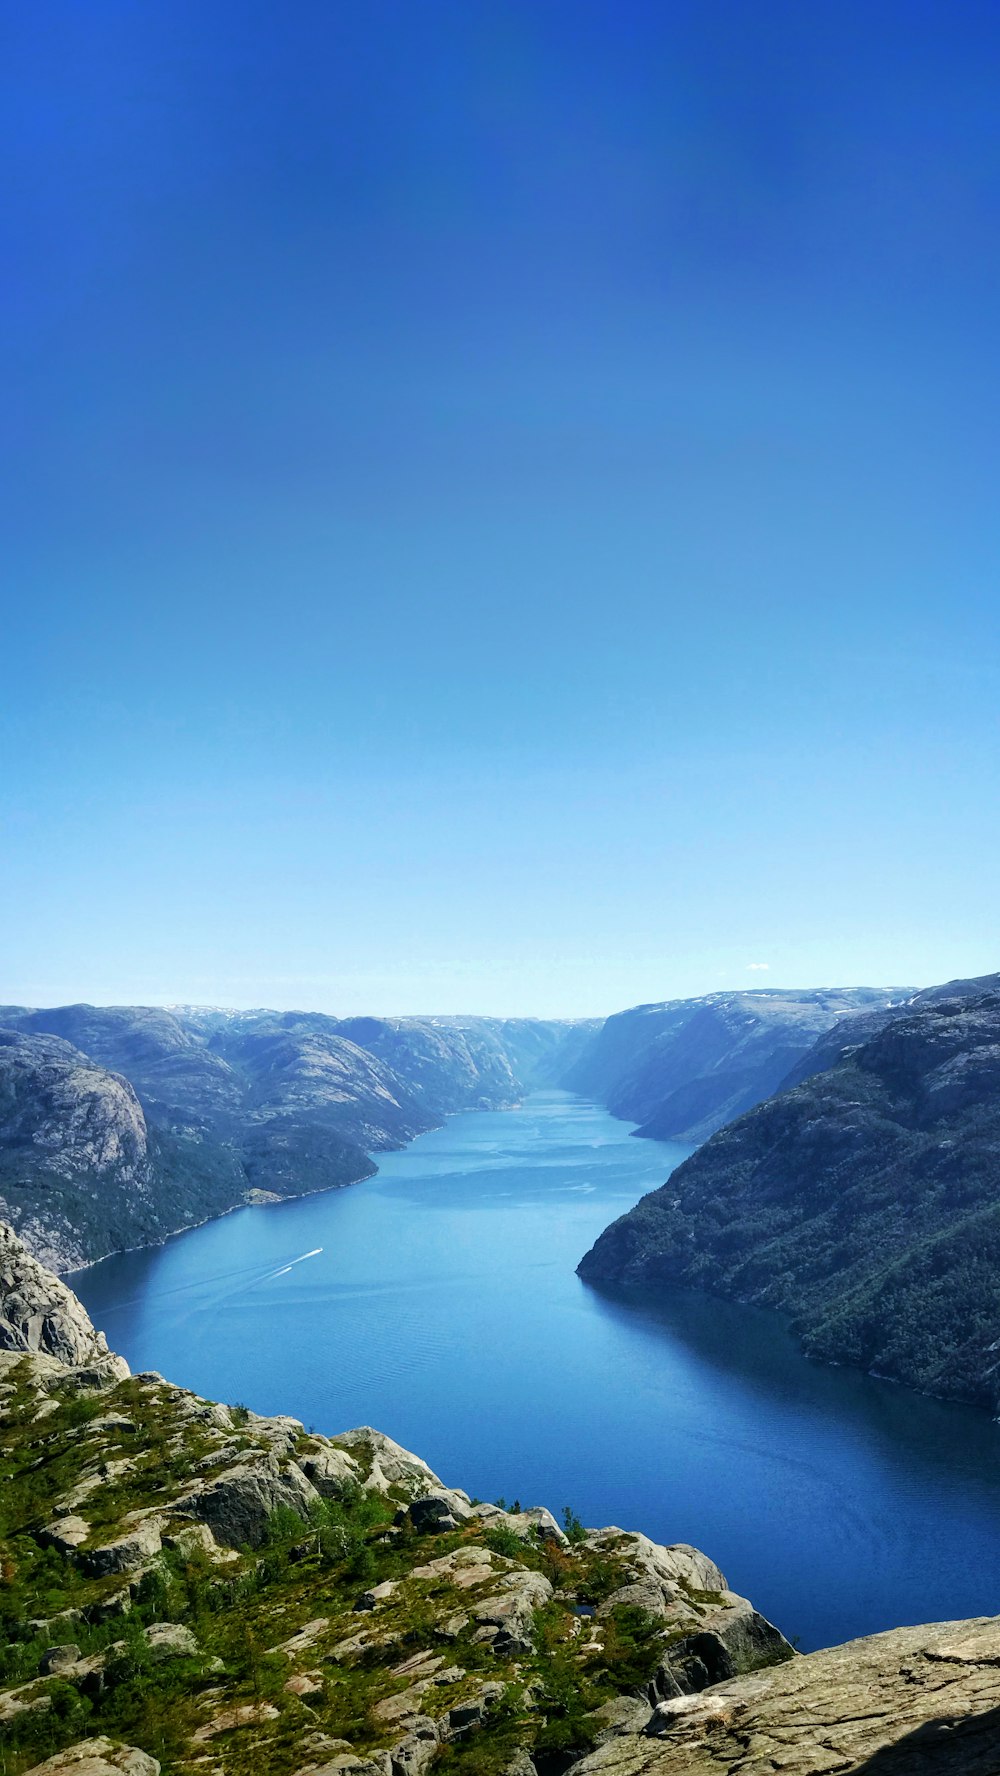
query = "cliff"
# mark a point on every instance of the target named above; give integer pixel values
(189, 1587)
(863, 1202)
(684, 1068)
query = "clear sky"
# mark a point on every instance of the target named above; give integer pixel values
(501, 499)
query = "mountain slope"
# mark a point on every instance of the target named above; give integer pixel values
(120, 1124)
(232, 1592)
(865, 1202)
(684, 1068)
(857, 1028)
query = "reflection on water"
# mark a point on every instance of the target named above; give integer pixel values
(439, 1301)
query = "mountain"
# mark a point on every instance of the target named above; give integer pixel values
(121, 1124)
(853, 1030)
(864, 1202)
(684, 1068)
(190, 1589)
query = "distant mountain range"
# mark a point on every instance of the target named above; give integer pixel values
(863, 1199)
(120, 1124)
(683, 1068)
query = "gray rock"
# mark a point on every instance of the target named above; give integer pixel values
(348, 1763)
(917, 1701)
(414, 1753)
(436, 1513)
(237, 1505)
(39, 1314)
(473, 1711)
(170, 1640)
(125, 1554)
(623, 1714)
(64, 1536)
(98, 1757)
(510, 1610)
(332, 1471)
(389, 1464)
(57, 1658)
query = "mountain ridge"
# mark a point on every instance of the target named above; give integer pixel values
(861, 1201)
(205, 1111)
(681, 1068)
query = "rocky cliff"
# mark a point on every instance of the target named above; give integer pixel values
(685, 1068)
(120, 1124)
(189, 1587)
(864, 1202)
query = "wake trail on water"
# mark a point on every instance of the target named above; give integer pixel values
(285, 1268)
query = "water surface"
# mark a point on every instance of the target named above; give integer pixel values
(438, 1301)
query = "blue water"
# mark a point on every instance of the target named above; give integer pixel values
(443, 1307)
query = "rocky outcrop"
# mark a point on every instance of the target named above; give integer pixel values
(863, 1202)
(685, 1068)
(40, 1315)
(913, 1702)
(98, 1757)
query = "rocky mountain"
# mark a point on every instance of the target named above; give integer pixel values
(40, 1316)
(864, 1202)
(685, 1068)
(120, 1124)
(187, 1587)
(853, 1030)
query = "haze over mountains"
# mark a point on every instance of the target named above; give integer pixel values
(683, 1068)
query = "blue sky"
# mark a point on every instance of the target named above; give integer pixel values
(500, 499)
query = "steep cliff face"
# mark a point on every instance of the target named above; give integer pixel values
(187, 1587)
(41, 1317)
(685, 1068)
(75, 1161)
(863, 1202)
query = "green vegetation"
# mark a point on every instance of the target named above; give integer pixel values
(340, 1620)
(863, 1204)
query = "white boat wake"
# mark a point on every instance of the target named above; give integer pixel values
(285, 1268)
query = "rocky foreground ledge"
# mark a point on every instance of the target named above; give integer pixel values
(189, 1587)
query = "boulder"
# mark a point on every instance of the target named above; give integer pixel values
(170, 1640)
(510, 1610)
(237, 1505)
(66, 1535)
(436, 1513)
(472, 1712)
(332, 1471)
(412, 1754)
(98, 1757)
(388, 1463)
(125, 1553)
(58, 1658)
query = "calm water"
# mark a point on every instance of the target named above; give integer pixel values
(442, 1306)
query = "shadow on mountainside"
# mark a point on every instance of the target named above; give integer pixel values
(959, 1745)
